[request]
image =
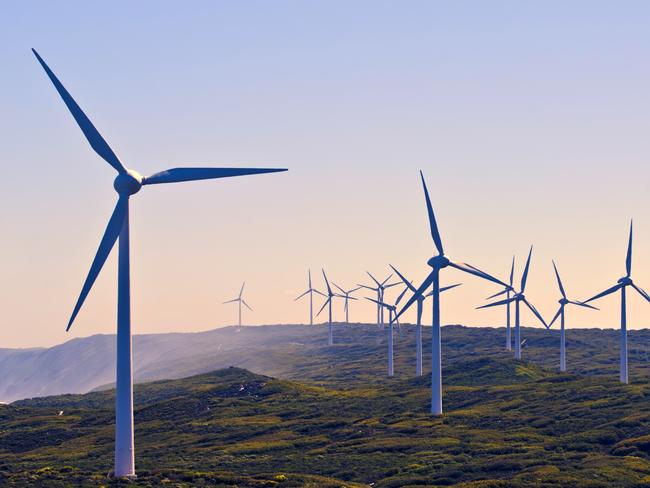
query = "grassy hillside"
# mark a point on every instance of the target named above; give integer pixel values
(506, 424)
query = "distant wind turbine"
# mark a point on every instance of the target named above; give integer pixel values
(564, 301)
(392, 313)
(127, 183)
(381, 286)
(346, 296)
(328, 302)
(622, 284)
(519, 297)
(437, 263)
(507, 290)
(311, 290)
(418, 329)
(240, 301)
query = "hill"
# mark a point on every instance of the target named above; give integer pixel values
(295, 352)
(507, 423)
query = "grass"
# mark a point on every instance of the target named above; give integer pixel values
(507, 423)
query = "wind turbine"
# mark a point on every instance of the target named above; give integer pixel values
(418, 329)
(240, 301)
(564, 301)
(346, 296)
(437, 263)
(622, 284)
(127, 183)
(311, 290)
(392, 313)
(330, 295)
(507, 290)
(519, 297)
(381, 286)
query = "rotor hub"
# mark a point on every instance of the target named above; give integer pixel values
(519, 297)
(438, 262)
(128, 183)
(563, 301)
(625, 281)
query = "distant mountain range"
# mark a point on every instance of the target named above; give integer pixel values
(291, 352)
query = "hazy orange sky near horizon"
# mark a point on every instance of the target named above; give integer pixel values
(529, 120)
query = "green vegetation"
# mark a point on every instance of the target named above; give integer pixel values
(507, 423)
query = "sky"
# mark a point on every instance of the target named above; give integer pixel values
(528, 119)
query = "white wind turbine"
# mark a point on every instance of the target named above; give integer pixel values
(392, 316)
(380, 288)
(622, 284)
(438, 262)
(347, 296)
(518, 298)
(418, 328)
(564, 301)
(507, 290)
(311, 290)
(127, 183)
(240, 301)
(330, 295)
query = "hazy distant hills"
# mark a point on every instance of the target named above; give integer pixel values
(295, 352)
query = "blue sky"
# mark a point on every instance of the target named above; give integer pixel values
(528, 118)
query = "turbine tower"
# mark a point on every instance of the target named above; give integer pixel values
(310, 290)
(622, 284)
(418, 329)
(438, 262)
(507, 290)
(127, 183)
(518, 298)
(392, 312)
(240, 301)
(346, 296)
(381, 286)
(330, 295)
(564, 301)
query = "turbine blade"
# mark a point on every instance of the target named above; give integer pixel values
(502, 292)
(512, 271)
(373, 279)
(309, 274)
(367, 287)
(496, 304)
(559, 311)
(354, 289)
(641, 291)
(342, 290)
(403, 278)
(319, 292)
(473, 270)
(111, 234)
(604, 293)
(559, 281)
(628, 258)
(378, 302)
(329, 289)
(247, 305)
(231, 301)
(445, 288)
(391, 284)
(242, 289)
(95, 139)
(324, 305)
(418, 293)
(389, 277)
(401, 295)
(535, 312)
(524, 277)
(300, 296)
(583, 304)
(176, 175)
(432, 219)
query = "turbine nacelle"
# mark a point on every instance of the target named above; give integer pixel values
(563, 301)
(438, 262)
(128, 183)
(625, 281)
